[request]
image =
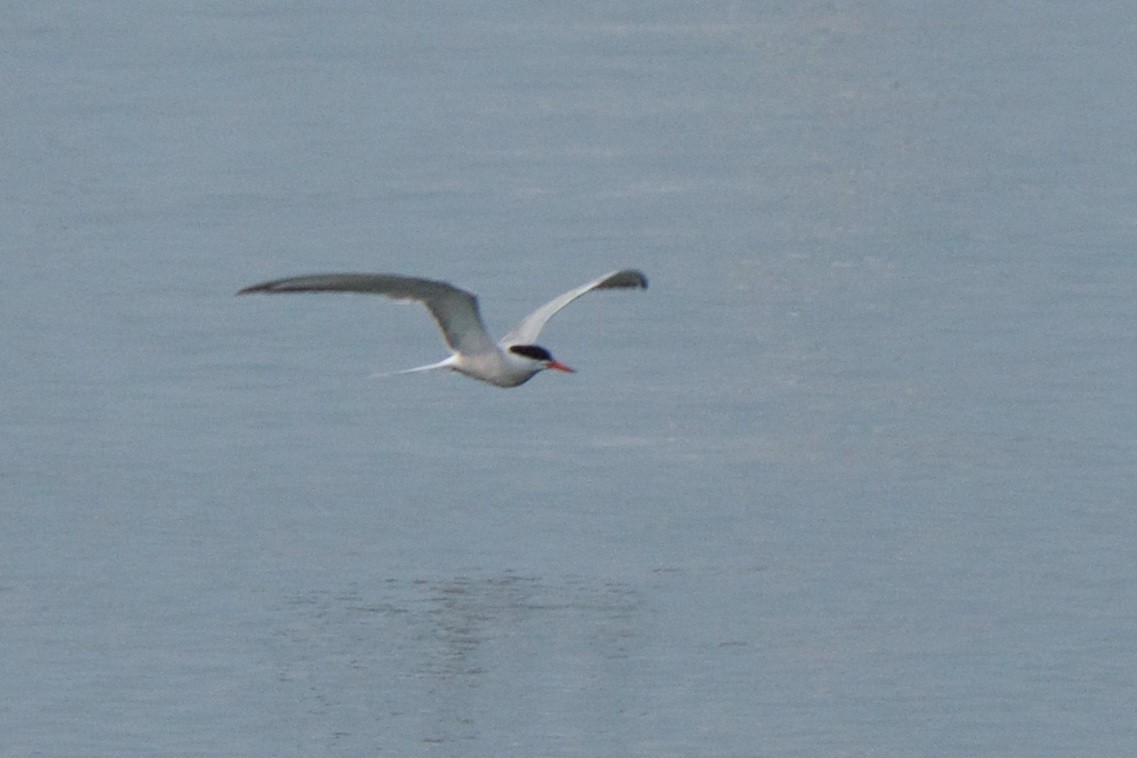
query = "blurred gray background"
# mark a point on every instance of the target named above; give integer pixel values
(854, 477)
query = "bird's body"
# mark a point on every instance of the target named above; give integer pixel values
(512, 361)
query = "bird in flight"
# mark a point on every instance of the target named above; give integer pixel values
(511, 362)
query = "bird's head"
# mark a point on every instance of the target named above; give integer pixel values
(537, 357)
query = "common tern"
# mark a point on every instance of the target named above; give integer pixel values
(512, 361)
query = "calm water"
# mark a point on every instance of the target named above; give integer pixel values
(854, 477)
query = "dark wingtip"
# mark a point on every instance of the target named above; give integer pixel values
(262, 287)
(629, 277)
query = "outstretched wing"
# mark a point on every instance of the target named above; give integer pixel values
(529, 329)
(455, 310)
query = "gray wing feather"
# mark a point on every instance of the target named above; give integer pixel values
(455, 310)
(529, 329)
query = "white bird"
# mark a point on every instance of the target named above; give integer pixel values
(512, 361)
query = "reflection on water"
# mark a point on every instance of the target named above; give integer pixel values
(427, 659)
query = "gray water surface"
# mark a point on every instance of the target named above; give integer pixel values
(854, 477)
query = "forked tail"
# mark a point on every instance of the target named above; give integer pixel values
(448, 363)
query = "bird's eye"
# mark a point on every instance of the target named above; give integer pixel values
(535, 352)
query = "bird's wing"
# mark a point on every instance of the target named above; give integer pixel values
(455, 310)
(528, 330)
